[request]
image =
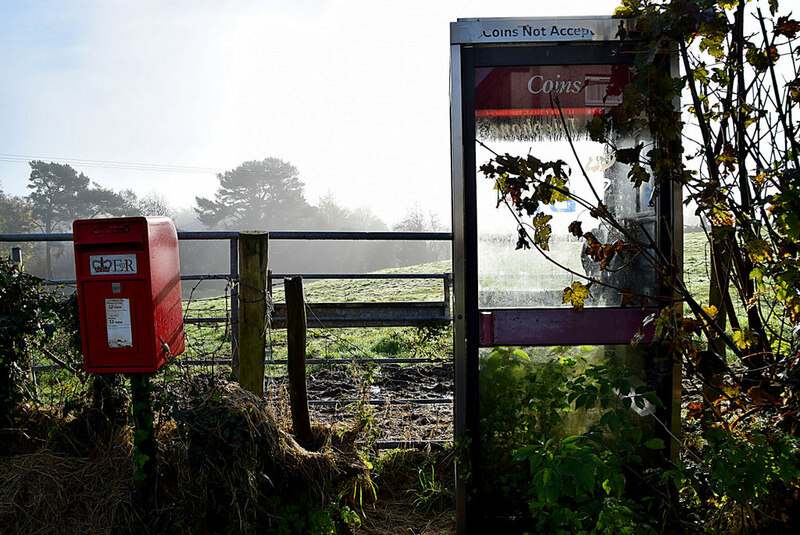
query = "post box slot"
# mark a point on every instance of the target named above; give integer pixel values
(97, 233)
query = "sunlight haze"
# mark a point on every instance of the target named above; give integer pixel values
(159, 96)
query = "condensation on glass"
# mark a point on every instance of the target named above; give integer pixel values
(544, 111)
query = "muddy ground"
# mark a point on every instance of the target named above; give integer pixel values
(408, 402)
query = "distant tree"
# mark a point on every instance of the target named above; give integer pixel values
(331, 216)
(153, 203)
(16, 216)
(416, 220)
(59, 195)
(365, 219)
(266, 194)
(409, 253)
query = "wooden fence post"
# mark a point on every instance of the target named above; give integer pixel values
(296, 342)
(253, 247)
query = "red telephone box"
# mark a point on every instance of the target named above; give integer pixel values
(129, 293)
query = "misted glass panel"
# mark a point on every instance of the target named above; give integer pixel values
(544, 111)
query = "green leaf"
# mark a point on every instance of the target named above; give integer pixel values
(654, 399)
(638, 175)
(139, 436)
(654, 444)
(597, 128)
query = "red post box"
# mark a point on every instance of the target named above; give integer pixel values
(129, 293)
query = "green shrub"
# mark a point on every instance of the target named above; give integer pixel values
(29, 315)
(558, 440)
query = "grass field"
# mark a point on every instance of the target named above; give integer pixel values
(695, 264)
(398, 342)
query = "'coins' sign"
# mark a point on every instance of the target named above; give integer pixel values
(112, 264)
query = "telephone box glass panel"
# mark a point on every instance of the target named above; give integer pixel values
(545, 111)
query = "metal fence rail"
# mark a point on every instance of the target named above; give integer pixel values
(322, 315)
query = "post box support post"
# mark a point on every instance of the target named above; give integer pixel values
(253, 247)
(144, 439)
(296, 341)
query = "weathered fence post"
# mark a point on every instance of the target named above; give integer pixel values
(16, 256)
(296, 342)
(253, 318)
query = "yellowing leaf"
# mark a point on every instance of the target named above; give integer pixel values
(722, 218)
(711, 311)
(542, 230)
(759, 250)
(576, 295)
(743, 339)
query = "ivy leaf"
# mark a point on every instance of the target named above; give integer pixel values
(542, 230)
(522, 239)
(608, 252)
(576, 295)
(139, 436)
(713, 45)
(654, 444)
(627, 299)
(597, 128)
(762, 59)
(638, 175)
(600, 211)
(721, 217)
(594, 248)
(727, 157)
(630, 155)
(794, 89)
(743, 339)
(701, 75)
(758, 249)
(787, 27)
(695, 409)
(575, 229)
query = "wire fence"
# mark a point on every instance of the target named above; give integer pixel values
(344, 353)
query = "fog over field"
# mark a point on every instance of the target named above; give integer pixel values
(159, 97)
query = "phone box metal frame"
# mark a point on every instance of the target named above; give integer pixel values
(505, 42)
(129, 293)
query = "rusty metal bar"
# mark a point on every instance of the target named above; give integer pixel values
(274, 235)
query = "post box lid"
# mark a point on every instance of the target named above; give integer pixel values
(114, 230)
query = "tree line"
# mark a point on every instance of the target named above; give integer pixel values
(256, 195)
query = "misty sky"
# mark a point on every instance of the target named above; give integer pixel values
(163, 94)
